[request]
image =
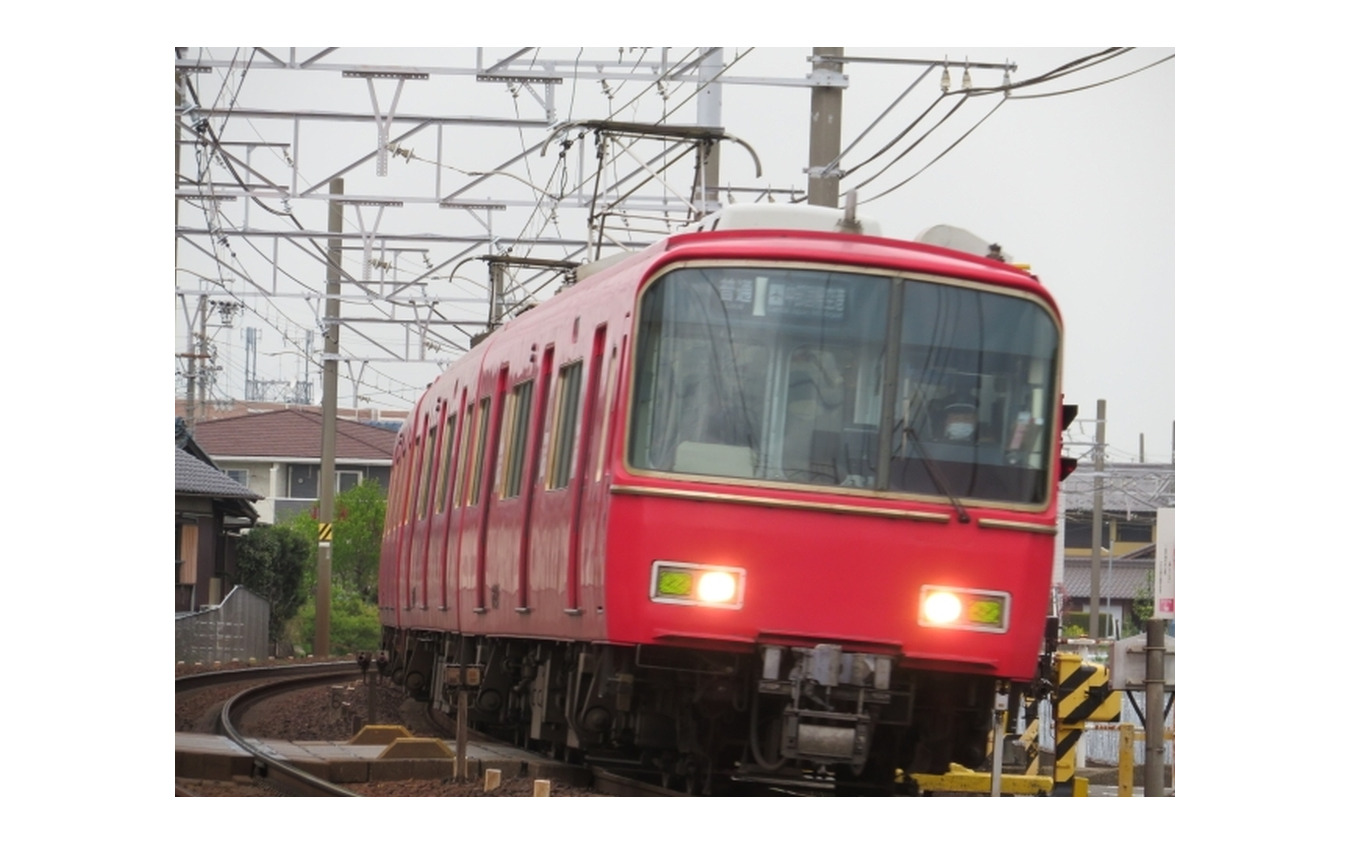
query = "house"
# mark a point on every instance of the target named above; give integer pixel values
(209, 511)
(1132, 494)
(277, 454)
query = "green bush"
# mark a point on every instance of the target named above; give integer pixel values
(353, 624)
(271, 560)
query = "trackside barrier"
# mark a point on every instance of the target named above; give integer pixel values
(1125, 754)
(1081, 694)
(1082, 698)
(960, 780)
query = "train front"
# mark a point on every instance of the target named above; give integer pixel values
(839, 493)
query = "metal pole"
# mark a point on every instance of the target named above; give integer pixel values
(827, 107)
(1098, 467)
(498, 305)
(1001, 697)
(328, 453)
(461, 735)
(1155, 649)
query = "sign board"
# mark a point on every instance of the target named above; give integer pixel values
(1165, 565)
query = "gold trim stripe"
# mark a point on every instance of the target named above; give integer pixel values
(1050, 530)
(733, 498)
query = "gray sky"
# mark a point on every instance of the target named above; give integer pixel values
(1079, 185)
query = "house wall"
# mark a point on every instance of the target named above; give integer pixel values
(303, 478)
(1120, 536)
(291, 488)
(260, 480)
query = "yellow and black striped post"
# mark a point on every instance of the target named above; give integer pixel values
(1082, 694)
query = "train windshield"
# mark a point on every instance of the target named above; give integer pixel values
(845, 379)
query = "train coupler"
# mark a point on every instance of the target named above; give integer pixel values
(826, 737)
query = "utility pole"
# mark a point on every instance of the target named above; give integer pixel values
(827, 107)
(1098, 468)
(328, 452)
(201, 352)
(1155, 650)
(190, 407)
(710, 116)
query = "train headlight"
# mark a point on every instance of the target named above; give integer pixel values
(699, 585)
(964, 609)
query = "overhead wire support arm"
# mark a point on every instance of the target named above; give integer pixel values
(654, 130)
(383, 121)
(617, 132)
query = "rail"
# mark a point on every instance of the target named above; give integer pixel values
(266, 767)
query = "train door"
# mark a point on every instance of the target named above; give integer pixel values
(415, 553)
(425, 511)
(490, 416)
(438, 515)
(586, 555)
(462, 572)
(525, 599)
(443, 545)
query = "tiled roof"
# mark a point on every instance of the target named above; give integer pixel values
(1126, 487)
(1120, 581)
(292, 433)
(193, 477)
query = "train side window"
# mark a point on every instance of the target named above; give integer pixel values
(428, 465)
(517, 434)
(466, 458)
(396, 486)
(479, 451)
(565, 426)
(443, 475)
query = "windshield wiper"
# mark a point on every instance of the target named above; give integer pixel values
(933, 472)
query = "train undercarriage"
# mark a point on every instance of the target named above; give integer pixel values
(815, 717)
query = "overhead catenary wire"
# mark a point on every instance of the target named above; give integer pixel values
(1078, 65)
(540, 218)
(211, 143)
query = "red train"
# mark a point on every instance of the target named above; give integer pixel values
(771, 500)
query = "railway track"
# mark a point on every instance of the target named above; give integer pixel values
(267, 768)
(279, 775)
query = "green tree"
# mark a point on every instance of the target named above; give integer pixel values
(272, 561)
(1142, 608)
(358, 530)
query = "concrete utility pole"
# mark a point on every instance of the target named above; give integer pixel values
(1155, 727)
(1098, 468)
(328, 453)
(827, 108)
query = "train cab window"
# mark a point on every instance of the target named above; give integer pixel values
(846, 379)
(976, 382)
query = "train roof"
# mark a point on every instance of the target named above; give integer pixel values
(799, 233)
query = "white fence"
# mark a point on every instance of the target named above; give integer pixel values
(234, 629)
